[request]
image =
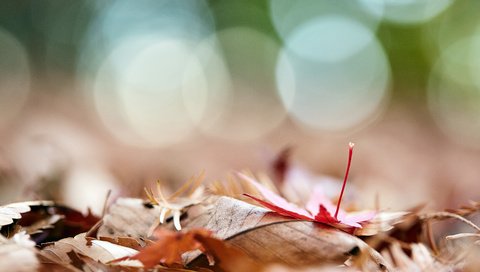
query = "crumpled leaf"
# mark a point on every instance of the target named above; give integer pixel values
(318, 209)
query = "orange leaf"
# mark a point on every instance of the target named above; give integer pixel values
(169, 247)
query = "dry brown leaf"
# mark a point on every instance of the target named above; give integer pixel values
(474, 206)
(317, 268)
(135, 243)
(227, 257)
(43, 224)
(85, 263)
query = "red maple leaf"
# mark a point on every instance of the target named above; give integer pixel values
(318, 209)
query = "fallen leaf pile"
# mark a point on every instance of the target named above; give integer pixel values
(220, 227)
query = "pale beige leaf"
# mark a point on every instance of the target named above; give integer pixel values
(382, 222)
(129, 217)
(421, 259)
(263, 235)
(18, 253)
(268, 237)
(14, 210)
(101, 251)
(227, 216)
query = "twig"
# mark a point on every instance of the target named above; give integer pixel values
(431, 240)
(447, 215)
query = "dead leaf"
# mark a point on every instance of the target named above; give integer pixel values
(187, 195)
(319, 208)
(14, 211)
(43, 224)
(130, 242)
(129, 217)
(268, 237)
(226, 256)
(465, 210)
(168, 248)
(45, 221)
(281, 165)
(382, 222)
(18, 253)
(85, 263)
(101, 251)
(227, 216)
(421, 259)
(245, 226)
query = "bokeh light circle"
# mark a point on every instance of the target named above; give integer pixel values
(333, 95)
(148, 80)
(139, 61)
(14, 77)
(288, 15)
(454, 91)
(329, 38)
(406, 11)
(250, 108)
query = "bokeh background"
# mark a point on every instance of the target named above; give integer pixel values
(99, 95)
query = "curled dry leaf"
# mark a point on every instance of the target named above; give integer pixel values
(101, 251)
(45, 221)
(11, 212)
